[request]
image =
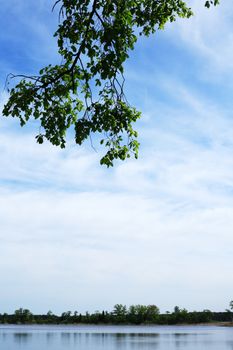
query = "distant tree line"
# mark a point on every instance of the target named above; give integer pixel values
(135, 315)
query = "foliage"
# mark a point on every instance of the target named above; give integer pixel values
(23, 316)
(135, 314)
(86, 90)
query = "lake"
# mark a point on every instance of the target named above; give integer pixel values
(115, 337)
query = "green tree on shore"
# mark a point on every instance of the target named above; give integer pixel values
(23, 316)
(135, 315)
(231, 309)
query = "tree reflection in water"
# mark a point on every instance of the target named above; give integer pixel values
(22, 338)
(113, 338)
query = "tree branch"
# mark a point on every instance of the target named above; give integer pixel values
(77, 56)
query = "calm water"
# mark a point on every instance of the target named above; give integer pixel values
(115, 337)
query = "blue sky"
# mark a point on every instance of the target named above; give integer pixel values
(157, 230)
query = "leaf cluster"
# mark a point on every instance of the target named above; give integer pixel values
(86, 90)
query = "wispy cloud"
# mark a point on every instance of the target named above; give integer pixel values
(208, 35)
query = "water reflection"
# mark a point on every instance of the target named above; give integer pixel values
(67, 339)
(22, 338)
(230, 344)
(49, 338)
(120, 340)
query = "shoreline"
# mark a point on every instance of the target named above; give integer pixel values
(207, 324)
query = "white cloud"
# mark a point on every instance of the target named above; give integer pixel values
(153, 226)
(208, 34)
(80, 243)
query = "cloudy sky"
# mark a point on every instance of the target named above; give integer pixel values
(157, 230)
